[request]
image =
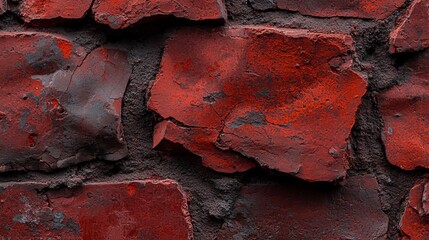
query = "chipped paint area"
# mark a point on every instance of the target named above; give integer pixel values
(59, 102)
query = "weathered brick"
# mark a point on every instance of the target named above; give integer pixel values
(126, 210)
(411, 32)
(3, 6)
(123, 13)
(405, 113)
(59, 105)
(167, 135)
(379, 9)
(414, 221)
(285, 98)
(301, 211)
(31, 10)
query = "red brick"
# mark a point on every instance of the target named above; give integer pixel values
(31, 10)
(414, 222)
(126, 210)
(200, 142)
(3, 6)
(411, 32)
(262, 93)
(300, 211)
(59, 107)
(379, 9)
(405, 113)
(123, 13)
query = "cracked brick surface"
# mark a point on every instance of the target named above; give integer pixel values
(261, 94)
(298, 211)
(60, 105)
(150, 209)
(123, 13)
(414, 222)
(405, 113)
(411, 32)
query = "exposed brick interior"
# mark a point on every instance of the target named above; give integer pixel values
(214, 119)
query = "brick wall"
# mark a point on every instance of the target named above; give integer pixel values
(259, 119)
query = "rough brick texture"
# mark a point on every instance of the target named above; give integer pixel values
(214, 119)
(60, 105)
(123, 13)
(31, 10)
(261, 94)
(124, 210)
(405, 112)
(298, 211)
(338, 8)
(411, 32)
(414, 222)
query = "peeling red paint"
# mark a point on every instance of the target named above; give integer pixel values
(411, 32)
(152, 210)
(379, 9)
(123, 13)
(262, 97)
(301, 211)
(57, 100)
(405, 113)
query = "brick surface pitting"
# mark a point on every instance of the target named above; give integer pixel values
(405, 113)
(31, 10)
(260, 94)
(379, 9)
(148, 209)
(298, 211)
(123, 13)
(411, 32)
(60, 106)
(414, 222)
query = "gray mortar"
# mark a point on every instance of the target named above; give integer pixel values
(212, 194)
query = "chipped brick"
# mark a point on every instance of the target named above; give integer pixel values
(414, 222)
(263, 93)
(405, 113)
(60, 106)
(126, 210)
(411, 32)
(123, 13)
(31, 10)
(379, 9)
(302, 211)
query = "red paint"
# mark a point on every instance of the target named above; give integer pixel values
(123, 13)
(411, 32)
(264, 97)
(31, 10)
(301, 211)
(405, 113)
(414, 223)
(378, 9)
(154, 210)
(57, 108)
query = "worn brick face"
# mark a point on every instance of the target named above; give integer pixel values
(411, 32)
(338, 8)
(405, 113)
(261, 95)
(414, 221)
(60, 105)
(148, 209)
(123, 13)
(31, 10)
(298, 211)
(3, 6)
